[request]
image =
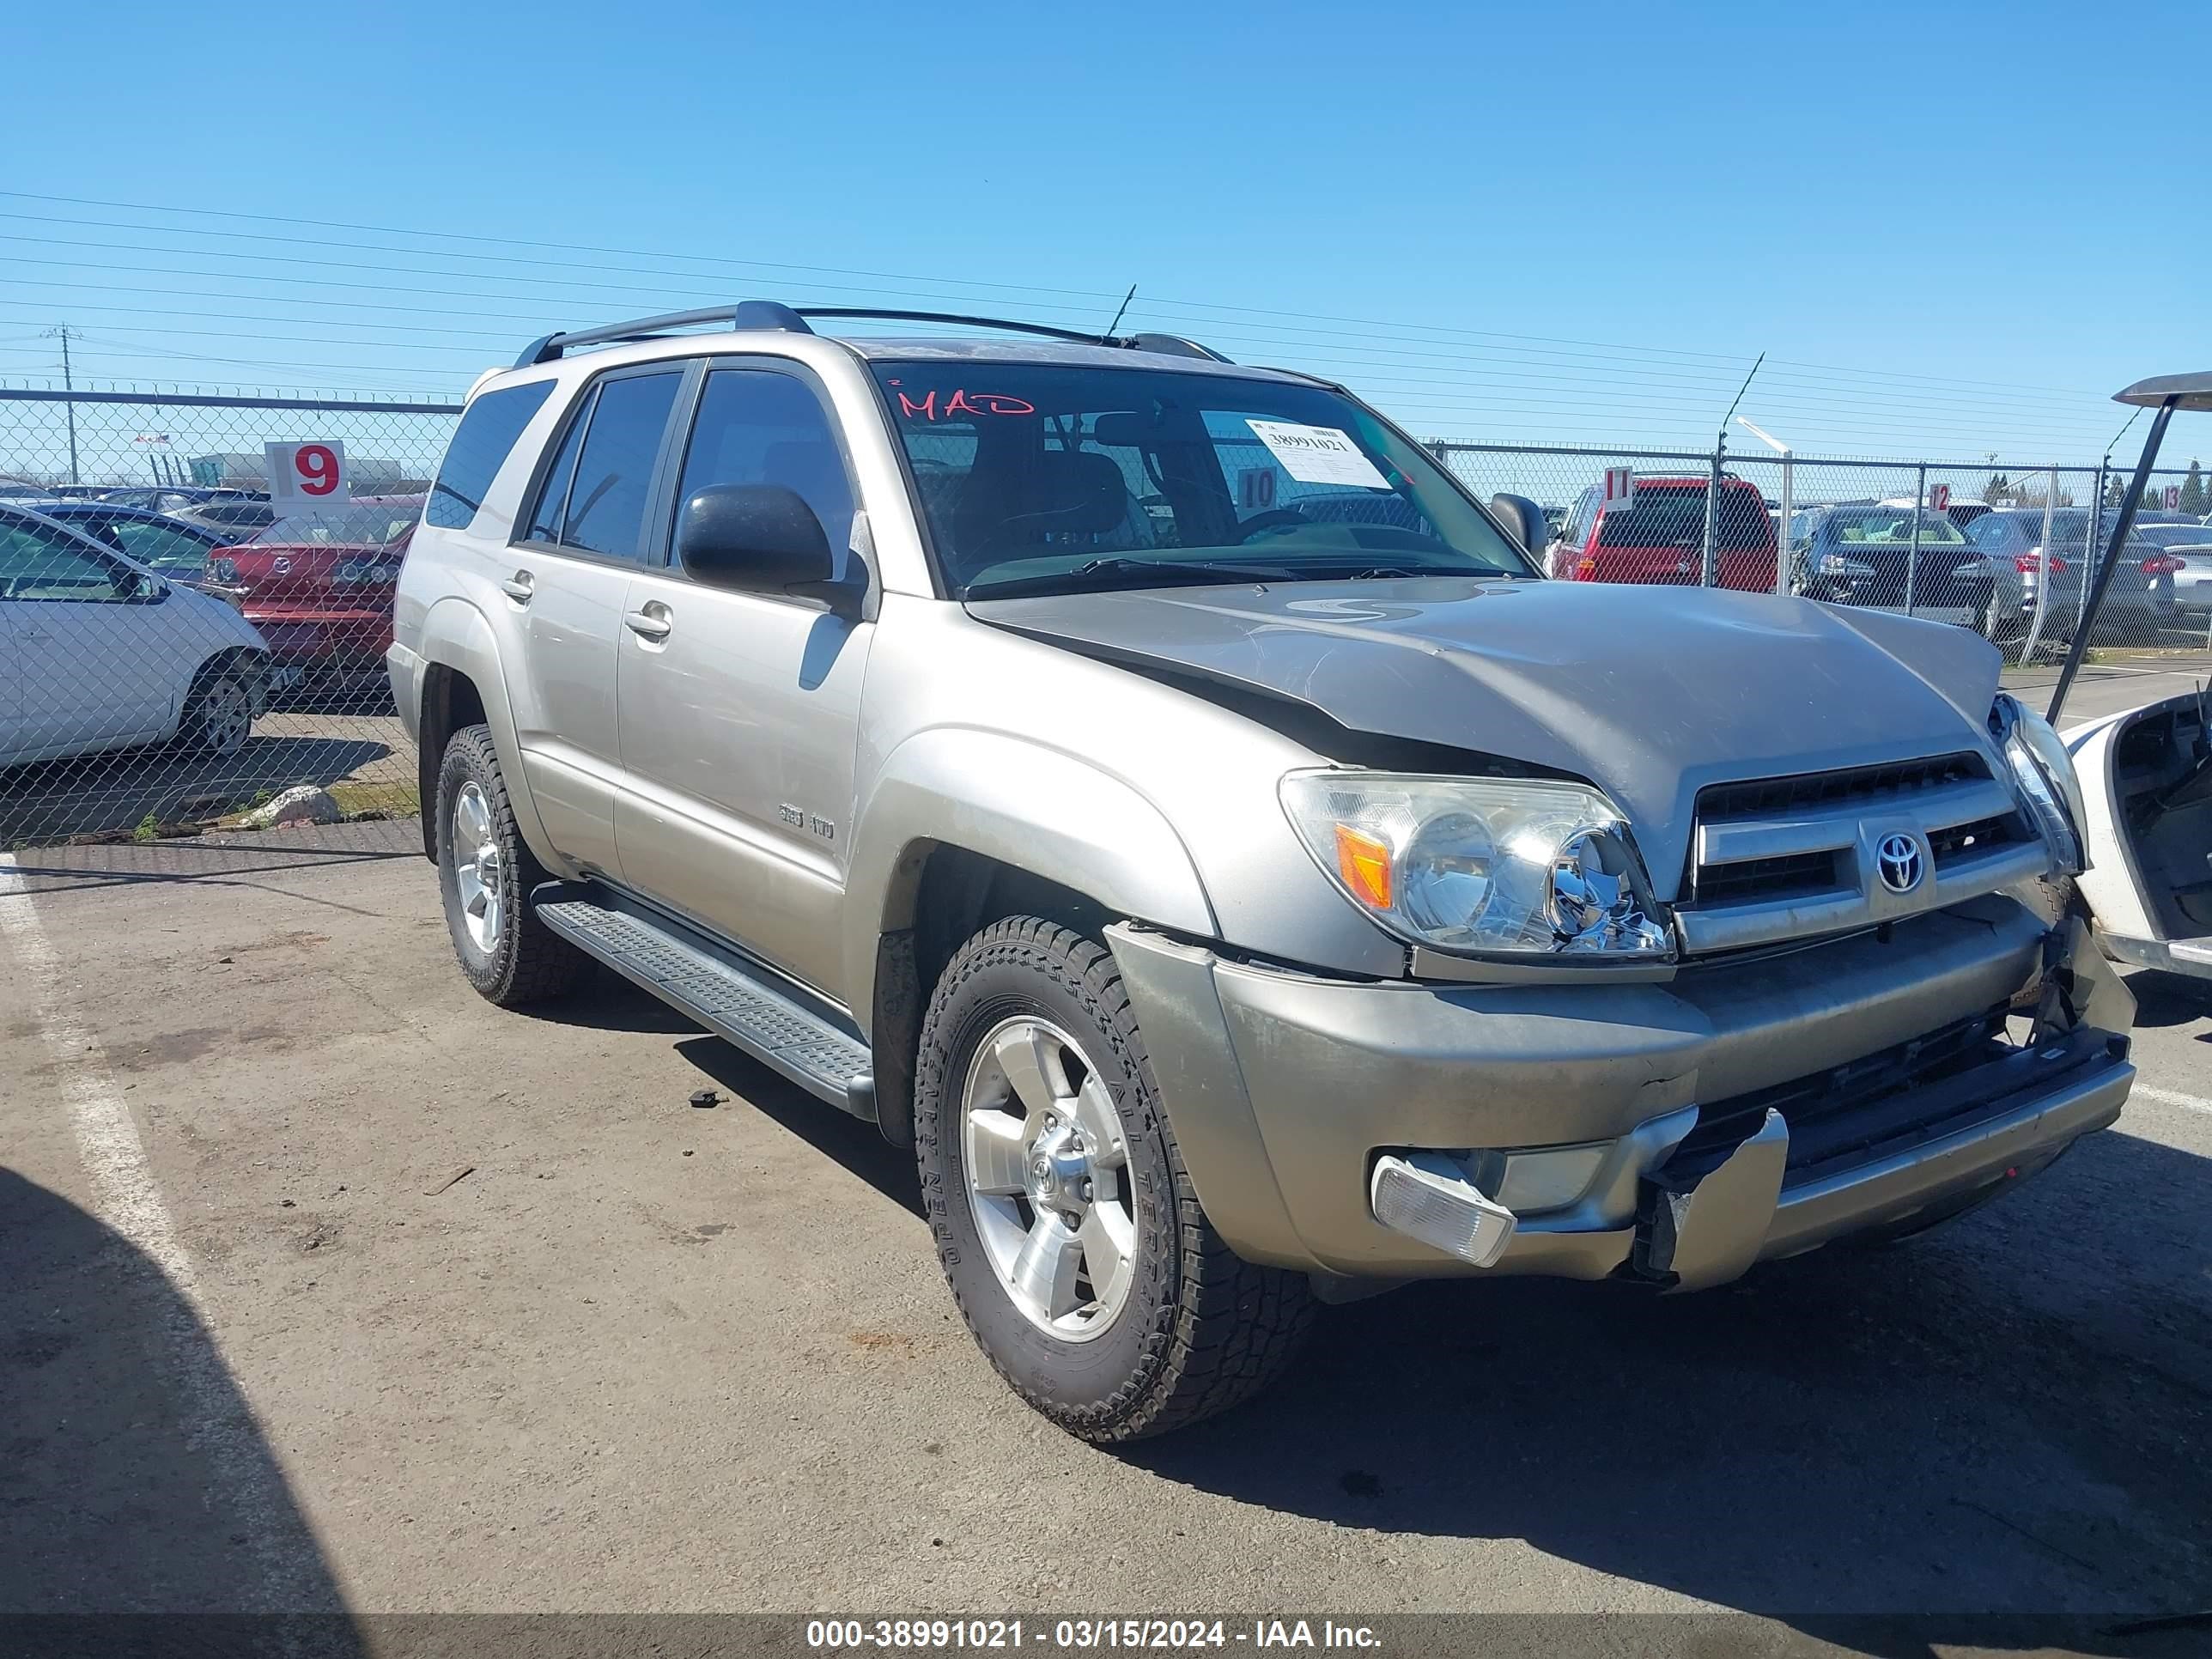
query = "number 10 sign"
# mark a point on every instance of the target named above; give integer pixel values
(305, 475)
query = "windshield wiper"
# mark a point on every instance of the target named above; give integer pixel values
(1117, 572)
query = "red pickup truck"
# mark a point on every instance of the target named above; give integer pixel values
(320, 585)
(1660, 537)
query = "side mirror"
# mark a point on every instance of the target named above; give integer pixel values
(759, 538)
(1524, 521)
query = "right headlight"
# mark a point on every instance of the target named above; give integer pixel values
(2044, 772)
(1480, 867)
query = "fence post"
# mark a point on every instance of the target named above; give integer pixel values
(1707, 561)
(1912, 554)
(1782, 543)
(2093, 534)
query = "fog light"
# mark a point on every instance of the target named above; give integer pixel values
(1427, 1196)
(1547, 1180)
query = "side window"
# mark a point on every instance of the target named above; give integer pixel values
(157, 544)
(1585, 515)
(757, 425)
(1988, 530)
(553, 498)
(480, 445)
(614, 469)
(45, 565)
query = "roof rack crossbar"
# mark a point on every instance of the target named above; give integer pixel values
(747, 314)
(791, 320)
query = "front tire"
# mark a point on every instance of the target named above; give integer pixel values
(485, 872)
(218, 717)
(1064, 1220)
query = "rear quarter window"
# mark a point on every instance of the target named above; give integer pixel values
(480, 447)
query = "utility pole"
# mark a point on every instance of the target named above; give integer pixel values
(68, 384)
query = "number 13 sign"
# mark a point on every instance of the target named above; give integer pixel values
(306, 475)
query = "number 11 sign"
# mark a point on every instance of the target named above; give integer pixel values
(306, 475)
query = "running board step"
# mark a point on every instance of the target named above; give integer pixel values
(739, 1000)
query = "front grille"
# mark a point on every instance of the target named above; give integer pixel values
(1779, 859)
(1766, 879)
(1769, 797)
(1946, 845)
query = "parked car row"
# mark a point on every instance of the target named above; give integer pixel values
(1972, 563)
(110, 638)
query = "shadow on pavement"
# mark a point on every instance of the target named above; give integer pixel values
(2166, 1000)
(2008, 1416)
(94, 794)
(141, 1510)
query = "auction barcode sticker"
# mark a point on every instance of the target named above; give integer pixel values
(1318, 454)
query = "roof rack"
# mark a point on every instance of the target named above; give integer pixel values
(769, 314)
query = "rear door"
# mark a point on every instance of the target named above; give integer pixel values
(580, 543)
(739, 712)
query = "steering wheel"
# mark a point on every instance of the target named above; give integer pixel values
(1274, 518)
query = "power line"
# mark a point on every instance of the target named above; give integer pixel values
(903, 277)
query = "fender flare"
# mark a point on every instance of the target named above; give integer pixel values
(455, 636)
(1038, 808)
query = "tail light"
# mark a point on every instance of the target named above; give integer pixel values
(1586, 570)
(2164, 565)
(2029, 563)
(222, 570)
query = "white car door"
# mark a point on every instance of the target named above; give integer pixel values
(2147, 786)
(12, 743)
(101, 660)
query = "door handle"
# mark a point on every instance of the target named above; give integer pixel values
(518, 586)
(651, 623)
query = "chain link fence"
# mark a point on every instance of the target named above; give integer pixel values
(177, 656)
(2009, 553)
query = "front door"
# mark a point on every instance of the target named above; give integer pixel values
(564, 583)
(739, 712)
(103, 655)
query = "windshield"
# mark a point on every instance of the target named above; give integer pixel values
(1040, 478)
(359, 526)
(1673, 516)
(1889, 526)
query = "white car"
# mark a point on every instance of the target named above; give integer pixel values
(99, 653)
(2146, 778)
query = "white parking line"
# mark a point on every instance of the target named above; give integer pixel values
(126, 1199)
(2172, 1097)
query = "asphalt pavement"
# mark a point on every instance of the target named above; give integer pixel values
(332, 1286)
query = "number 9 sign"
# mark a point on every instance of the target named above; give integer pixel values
(306, 475)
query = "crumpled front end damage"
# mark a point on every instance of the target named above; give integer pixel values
(1744, 1110)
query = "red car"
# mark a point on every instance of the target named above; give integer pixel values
(1661, 536)
(318, 585)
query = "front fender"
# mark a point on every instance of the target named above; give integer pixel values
(456, 636)
(1038, 808)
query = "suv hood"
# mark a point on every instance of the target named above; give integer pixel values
(1649, 693)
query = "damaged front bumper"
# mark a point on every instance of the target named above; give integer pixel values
(1741, 1111)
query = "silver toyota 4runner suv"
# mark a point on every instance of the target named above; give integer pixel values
(1157, 792)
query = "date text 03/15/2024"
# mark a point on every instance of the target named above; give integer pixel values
(1084, 1634)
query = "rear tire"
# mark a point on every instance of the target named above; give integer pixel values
(485, 872)
(1174, 1326)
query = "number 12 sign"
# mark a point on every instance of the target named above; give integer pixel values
(306, 475)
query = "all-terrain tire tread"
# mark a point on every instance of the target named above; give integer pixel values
(1232, 1326)
(541, 964)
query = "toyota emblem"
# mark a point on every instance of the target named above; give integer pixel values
(1898, 860)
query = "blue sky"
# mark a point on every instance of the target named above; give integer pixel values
(1948, 225)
